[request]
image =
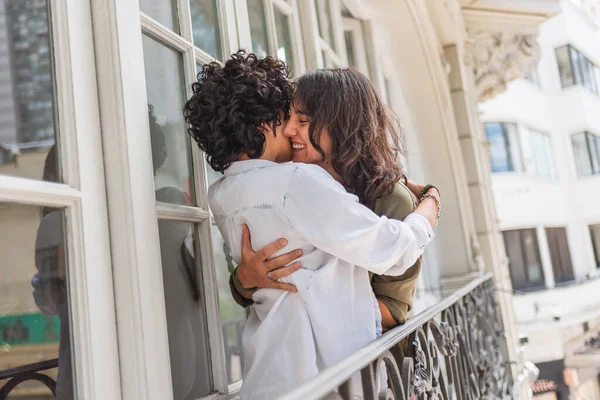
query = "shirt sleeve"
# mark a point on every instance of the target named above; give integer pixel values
(321, 210)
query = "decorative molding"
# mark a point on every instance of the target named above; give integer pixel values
(498, 58)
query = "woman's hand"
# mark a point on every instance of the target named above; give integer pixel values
(254, 269)
(428, 207)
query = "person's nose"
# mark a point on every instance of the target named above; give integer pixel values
(289, 129)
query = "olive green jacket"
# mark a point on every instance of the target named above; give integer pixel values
(396, 292)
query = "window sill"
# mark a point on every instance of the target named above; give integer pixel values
(521, 175)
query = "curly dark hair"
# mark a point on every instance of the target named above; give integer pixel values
(232, 103)
(365, 133)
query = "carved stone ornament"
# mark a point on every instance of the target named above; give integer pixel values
(498, 58)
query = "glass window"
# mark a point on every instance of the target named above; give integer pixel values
(565, 68)
(186, 316)
(170, 143)
(324, 18)
(595, 236)
(27, 113)
(258, 27)
(35, 329)
(575, 68)
(524, 258)
(232, 315)
(586, 151)
(205, 26)
(537, 153)
(504, 147)
(163, 11)
(560, 254)
(284, 40)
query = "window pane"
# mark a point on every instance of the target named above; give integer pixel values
(205, 26)
(594, 146)
(514, 148)
(186, 315)
(170, 143)
(581, 154)
(324, 16)
(27, 119)
(532, 256)
(565, 69)
(232, 314)
(258, 27)
(595, 235)
(163, 11)
(516, 262)
(34, 321)
(588, 74)
(576, 60)
(500, 157)
(284, 40)
(560, 254)
(349, 39)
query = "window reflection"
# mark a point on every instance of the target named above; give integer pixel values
(205, 26)
(34, 306)
(170, 143)
(163, 11)
(27, 120)
(232, 315)
(186, 316)
(284, 40)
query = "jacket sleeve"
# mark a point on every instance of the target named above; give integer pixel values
(241, 300)
(334, 221)
(397, 292)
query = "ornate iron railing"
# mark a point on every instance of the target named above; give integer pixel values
(29, 372)
(454, 350)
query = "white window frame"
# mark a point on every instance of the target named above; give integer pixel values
(141, 313)
(82, 197)
(355, 28)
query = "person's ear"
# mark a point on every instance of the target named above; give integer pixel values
(267, 129)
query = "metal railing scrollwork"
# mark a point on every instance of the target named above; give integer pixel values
(454, 350)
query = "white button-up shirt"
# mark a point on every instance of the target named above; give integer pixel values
(289, 337)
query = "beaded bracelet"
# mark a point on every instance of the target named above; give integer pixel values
(237, 284)
(437, 202)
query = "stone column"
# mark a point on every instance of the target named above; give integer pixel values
(486, 242)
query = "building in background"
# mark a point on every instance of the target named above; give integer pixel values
(103, 195)
(544, 138)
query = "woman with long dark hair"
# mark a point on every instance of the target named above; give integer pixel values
(339, 122)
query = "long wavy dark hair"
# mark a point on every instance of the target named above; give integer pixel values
(232, 103)
(365, 133)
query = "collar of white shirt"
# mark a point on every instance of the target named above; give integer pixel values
(239, 167)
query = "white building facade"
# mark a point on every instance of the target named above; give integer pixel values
(544, 135)
(103, 194)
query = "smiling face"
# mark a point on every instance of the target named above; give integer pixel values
(278, 147)
(297, 130)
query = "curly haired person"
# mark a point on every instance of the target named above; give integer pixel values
(323, 308)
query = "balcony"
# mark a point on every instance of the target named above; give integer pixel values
(454, 350)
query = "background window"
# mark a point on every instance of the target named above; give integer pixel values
(595, 235)
(538, 155)
(576, 68)
(504, 147)
(258, 27)
(586, 152)
(560, 254)
(524, 258)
